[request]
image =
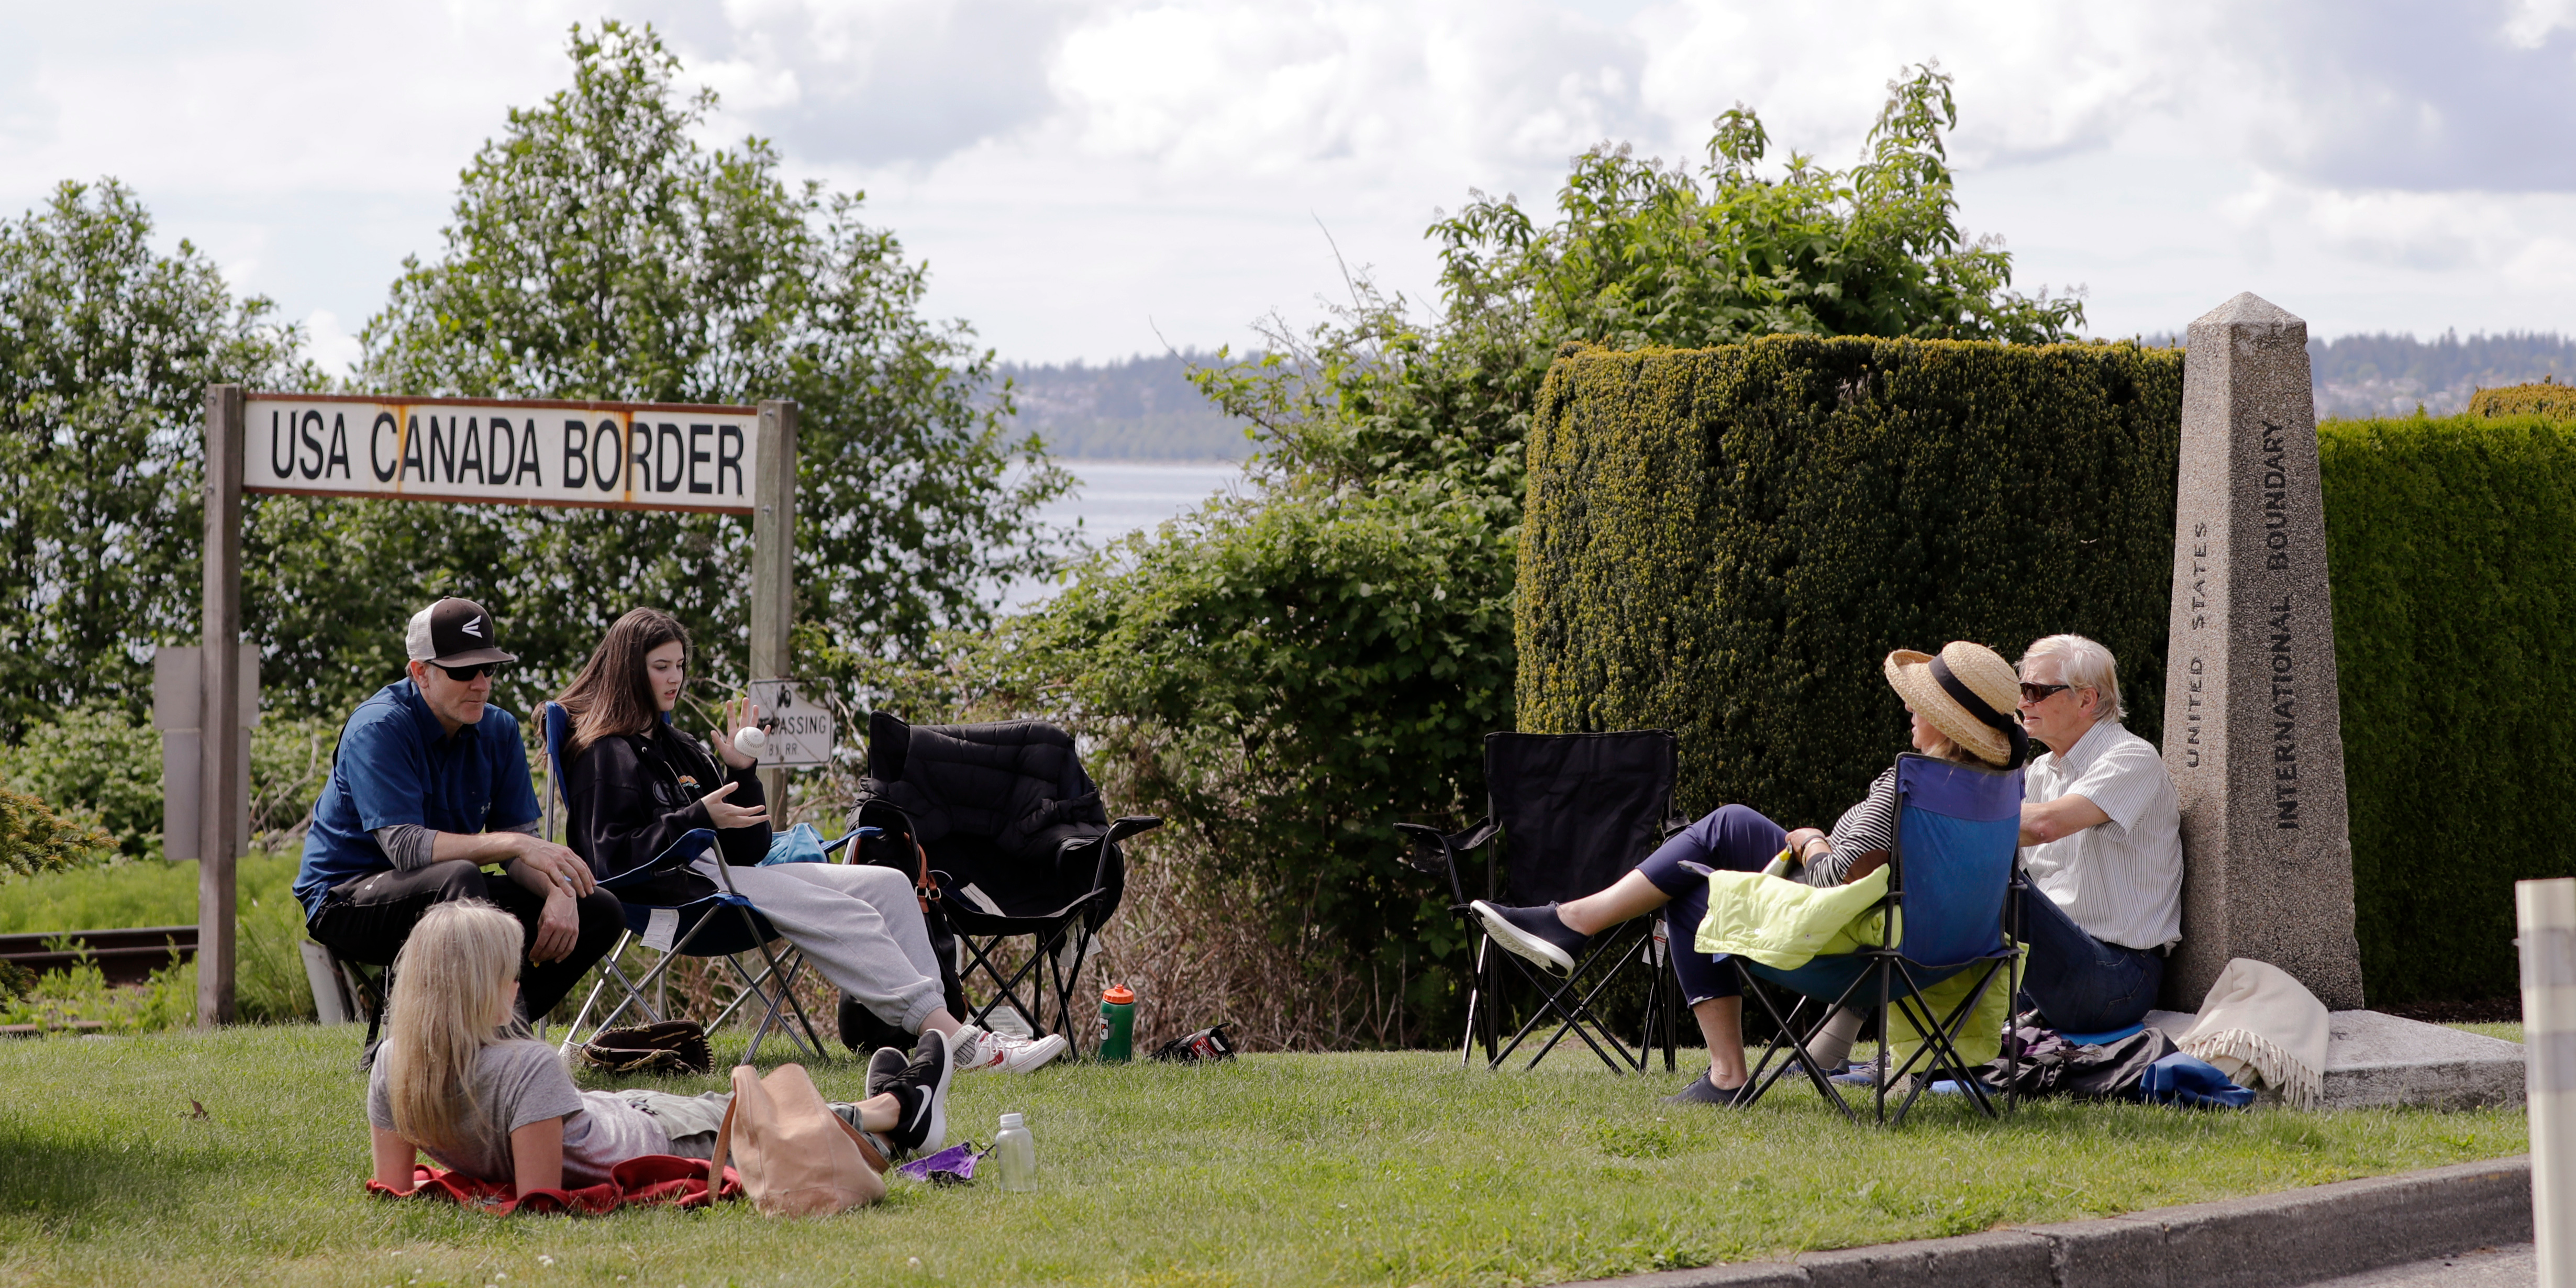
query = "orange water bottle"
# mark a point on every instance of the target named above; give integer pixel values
(1117, 1024)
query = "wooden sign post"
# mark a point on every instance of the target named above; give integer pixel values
(626, 456)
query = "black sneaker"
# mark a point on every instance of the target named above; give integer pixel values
(1535, 933)
(885, 1065)
(921, 1096)
(1704, 1092)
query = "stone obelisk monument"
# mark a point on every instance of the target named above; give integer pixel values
(2253, 733)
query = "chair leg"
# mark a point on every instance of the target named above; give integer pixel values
(1007, 988)
(1074, 936)
(1583, 1011)
(769, 1012)
(753, 987)
(1580, 1018)
(1475, 996)
(572, 1034)
(786, 977)
(1788, 1034)
(1939, 1052)
(1663, 998)
(657, 975)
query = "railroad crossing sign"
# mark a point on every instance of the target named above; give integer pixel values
(800, 729)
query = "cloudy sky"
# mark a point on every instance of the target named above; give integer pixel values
(1093, 178)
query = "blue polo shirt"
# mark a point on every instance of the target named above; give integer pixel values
(395, 766)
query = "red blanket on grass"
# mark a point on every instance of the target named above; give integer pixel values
(652, 1178)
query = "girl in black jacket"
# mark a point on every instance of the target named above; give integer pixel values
(634, 783)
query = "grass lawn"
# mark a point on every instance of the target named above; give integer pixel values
(1375, 1168)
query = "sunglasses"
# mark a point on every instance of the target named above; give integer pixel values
(2041, 692)
(469, 674)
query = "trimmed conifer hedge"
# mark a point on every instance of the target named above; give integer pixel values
(1726, 542)
(2549, 399)
(2452, 545)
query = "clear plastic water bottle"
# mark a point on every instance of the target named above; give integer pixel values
(1015, 1155)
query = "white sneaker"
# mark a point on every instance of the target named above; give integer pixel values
(984, 1051)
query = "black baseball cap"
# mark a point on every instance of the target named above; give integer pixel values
(454, 632)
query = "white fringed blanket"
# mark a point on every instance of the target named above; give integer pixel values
(2258, 1024)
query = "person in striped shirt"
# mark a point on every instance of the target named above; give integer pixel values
(2101, 831)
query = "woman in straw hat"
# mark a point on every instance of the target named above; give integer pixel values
(1962, 702)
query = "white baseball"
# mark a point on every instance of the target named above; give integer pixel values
(750, 741)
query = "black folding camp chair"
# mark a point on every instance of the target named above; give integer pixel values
(1006, 837)
(1570, 814)
(1951, 876)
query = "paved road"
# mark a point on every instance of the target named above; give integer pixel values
(2507, 1267)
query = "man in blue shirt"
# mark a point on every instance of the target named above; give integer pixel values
(430, 785)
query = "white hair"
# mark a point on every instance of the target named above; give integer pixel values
(2083, 664)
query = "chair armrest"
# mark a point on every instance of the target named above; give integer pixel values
(692, 844)
(1454, 842)
(1450, 847)
(1423, 838)
(1121, 829)
(854, 834)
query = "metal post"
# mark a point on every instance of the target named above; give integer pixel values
(223, 793)
(2545, 912)
(773, 564)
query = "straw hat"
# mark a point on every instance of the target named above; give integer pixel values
(1969, 693)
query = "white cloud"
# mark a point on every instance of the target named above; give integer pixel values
(1082, 172)
(330, 344)
(2528, 23)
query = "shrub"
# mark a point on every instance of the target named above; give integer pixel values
(1726, 542)
(97, 764)
(1286, 682)
(34, 839)
(2453, 548)
(290, 759)
(2548, 398)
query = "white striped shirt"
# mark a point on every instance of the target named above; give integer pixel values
(2120, 880)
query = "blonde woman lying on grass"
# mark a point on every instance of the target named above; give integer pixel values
(453, 1082)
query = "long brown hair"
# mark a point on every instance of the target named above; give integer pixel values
(614, 693)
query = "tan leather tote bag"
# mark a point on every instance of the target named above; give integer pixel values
(796, 1157)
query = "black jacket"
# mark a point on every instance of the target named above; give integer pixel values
(628, 797)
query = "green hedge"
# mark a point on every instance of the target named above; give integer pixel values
(1725, 542)
(2453, 549)
(2550, 399)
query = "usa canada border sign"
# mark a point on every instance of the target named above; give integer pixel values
(476, 451)
(613, 455)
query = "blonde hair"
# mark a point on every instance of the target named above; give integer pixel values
(449, 1002)
(1948, 750)
(2083, 664)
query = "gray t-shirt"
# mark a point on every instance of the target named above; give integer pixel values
(518, 1083)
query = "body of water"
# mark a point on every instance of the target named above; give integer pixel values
(1115, 498)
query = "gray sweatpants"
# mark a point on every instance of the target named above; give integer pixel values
(694, 1122)
(859, 924)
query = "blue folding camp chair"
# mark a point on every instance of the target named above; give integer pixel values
(724, 924)
(1950, 881)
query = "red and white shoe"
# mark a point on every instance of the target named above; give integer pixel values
(983, 1051)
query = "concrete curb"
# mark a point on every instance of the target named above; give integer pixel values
(2295, 1237)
